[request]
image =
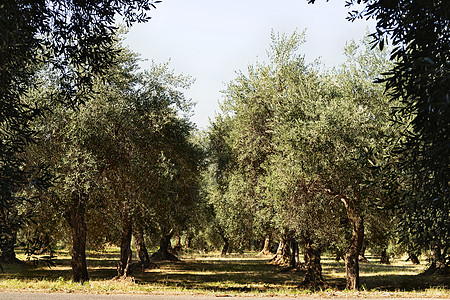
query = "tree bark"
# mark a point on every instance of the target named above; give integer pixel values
(313, 276)
(125, 245)
(265, 249)
(44, 243)
(164, 244)
(352, 253)
(226, 241)
(283, 253)
(177, 247)
(7, 252)
(139, 242)
(362, 254)
(294, 252)
(163, 251)
(438, 260)
(414, 259)
(187, 242)
(384, 257)
(76, 219)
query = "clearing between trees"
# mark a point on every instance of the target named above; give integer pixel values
(212, 274)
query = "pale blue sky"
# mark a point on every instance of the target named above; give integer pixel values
(211, 40)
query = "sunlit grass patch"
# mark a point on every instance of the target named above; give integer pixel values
(238, 274)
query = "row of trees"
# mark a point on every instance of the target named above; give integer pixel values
(123, 162)
(76, 40)
(297, 153)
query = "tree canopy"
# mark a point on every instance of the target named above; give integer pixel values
(419, 33)
(75, 39)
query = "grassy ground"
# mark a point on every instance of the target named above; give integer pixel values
(215, 275)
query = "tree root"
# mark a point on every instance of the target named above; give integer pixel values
(362, 258)
(161, 256)
(279, 260)
(315, 285)
(264, 253)
(433, 270)
(297, 269)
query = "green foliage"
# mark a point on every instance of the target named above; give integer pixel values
(420, 80)
(61, 34)
(128, 148)
(292, 142)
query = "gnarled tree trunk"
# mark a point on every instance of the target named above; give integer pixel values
(139, 242)
(226, 246)
(438, 259)
(187, 242)
(362, 254)
(354, 249)
(226, 242)
(7, 247)
(283, 252)
(76, 219)
(294, 253)
(177, 247)
(164, 247)
(164, 243)
(265, 249)
(384, 257)
(313, 276)
(125, 244)
(414, 259)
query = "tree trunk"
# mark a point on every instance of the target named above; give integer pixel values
(414, 259)
(226, 241)
(313, 276)
(139, 242)
(352, 253)
(164, 244)
(76, 219)
(226, 246)
(44, 245)
(7, 252)
(283, 253)
(177, 247)
(8, 226)
(163, 251)
(362, 254)
(187, 242)
(265, 249)
(125, 245)
(438, 260)
(294, 252)
(384, 257)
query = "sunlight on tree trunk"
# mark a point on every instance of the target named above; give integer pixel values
(123, 267)
(265, 249)
(7, 252)
(384, 259)
(139, 242)
(283, 252)
(352, 253)
(313, 276)
(76, 219)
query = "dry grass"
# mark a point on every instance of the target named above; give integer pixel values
(215, 275)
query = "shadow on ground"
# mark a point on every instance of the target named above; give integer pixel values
(225, 274)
